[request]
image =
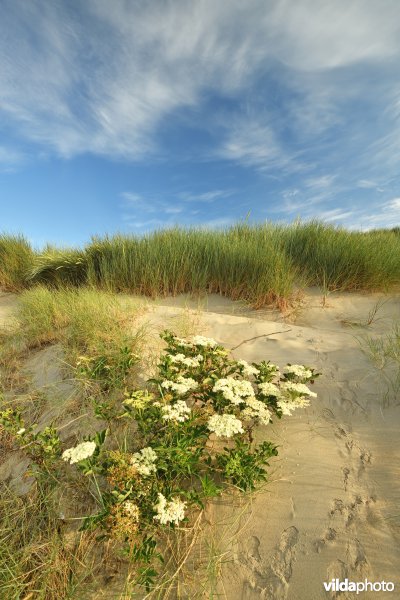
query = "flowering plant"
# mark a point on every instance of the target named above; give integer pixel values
(173, 460)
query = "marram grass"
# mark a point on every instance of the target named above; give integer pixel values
(261, 264)
(16, 261)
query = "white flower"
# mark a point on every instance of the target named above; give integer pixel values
(176, 412)
(144, 461)
(139, 399)
(247, 370)
(21, 431)
(299, 370)
(287, 407)
(80, 452)
(296, 389)
(131, 510)
(171, 511)
(186, 360)
(200, 340)
(234, 390)
(224, 425)
(181, 386)
(182, 342)
(255, 409)
(269, 389)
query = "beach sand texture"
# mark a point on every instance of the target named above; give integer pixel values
(331, 507)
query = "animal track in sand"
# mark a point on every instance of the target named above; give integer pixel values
(359, 457)
(269, 579)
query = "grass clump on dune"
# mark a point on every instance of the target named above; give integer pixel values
(337, 259)
(35, 560)
(176, 261)
(92, 326)
(16, 260)
(59, 267)
(260, 264)
(77, 317)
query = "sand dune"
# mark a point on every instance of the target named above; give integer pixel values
(331, 507)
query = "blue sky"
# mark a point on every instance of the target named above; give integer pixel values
(134, 115)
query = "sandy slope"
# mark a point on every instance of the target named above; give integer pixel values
(331, 508)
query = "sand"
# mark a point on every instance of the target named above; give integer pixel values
(331, 506)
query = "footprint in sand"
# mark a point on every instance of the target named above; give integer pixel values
(354, 567)
(329, 537)
(269, 579)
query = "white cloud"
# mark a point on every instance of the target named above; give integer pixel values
(10, 159)
(219, 222)
(322, 182)
(81, 77)
(393, 205)
(209, 196)
(252, 143)
(335, 214)
(366, 183)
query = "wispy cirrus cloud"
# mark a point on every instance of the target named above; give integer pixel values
(254, 144)
(10, 159)
(209, 196)
(83, 78)
(163, 212)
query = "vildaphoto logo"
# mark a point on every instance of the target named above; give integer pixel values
(335, 585)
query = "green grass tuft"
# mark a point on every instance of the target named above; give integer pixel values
(16, 259)
(261, 264)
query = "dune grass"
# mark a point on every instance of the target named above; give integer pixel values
(59, 267)
(261, 264)
(87, 323)
(384, 353)
(176, 261)
(336, 259)
(79, 318)
(16, 261)
(35, 560)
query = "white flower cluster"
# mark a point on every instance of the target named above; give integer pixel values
(21, 431)
(255, 409)
(299, 370)
(296, 389)
(200, 340)
(131, 510)
(234, 390)
(144, 461)
(295, 395)
(176, 412)
(182, 342)
(181, 386)
(139, 399)
(80, 452)
(186, 360)
(171, 511)
(224, 425)
(288, 406)
(272, 370)
(247, 370)
(269, 389)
